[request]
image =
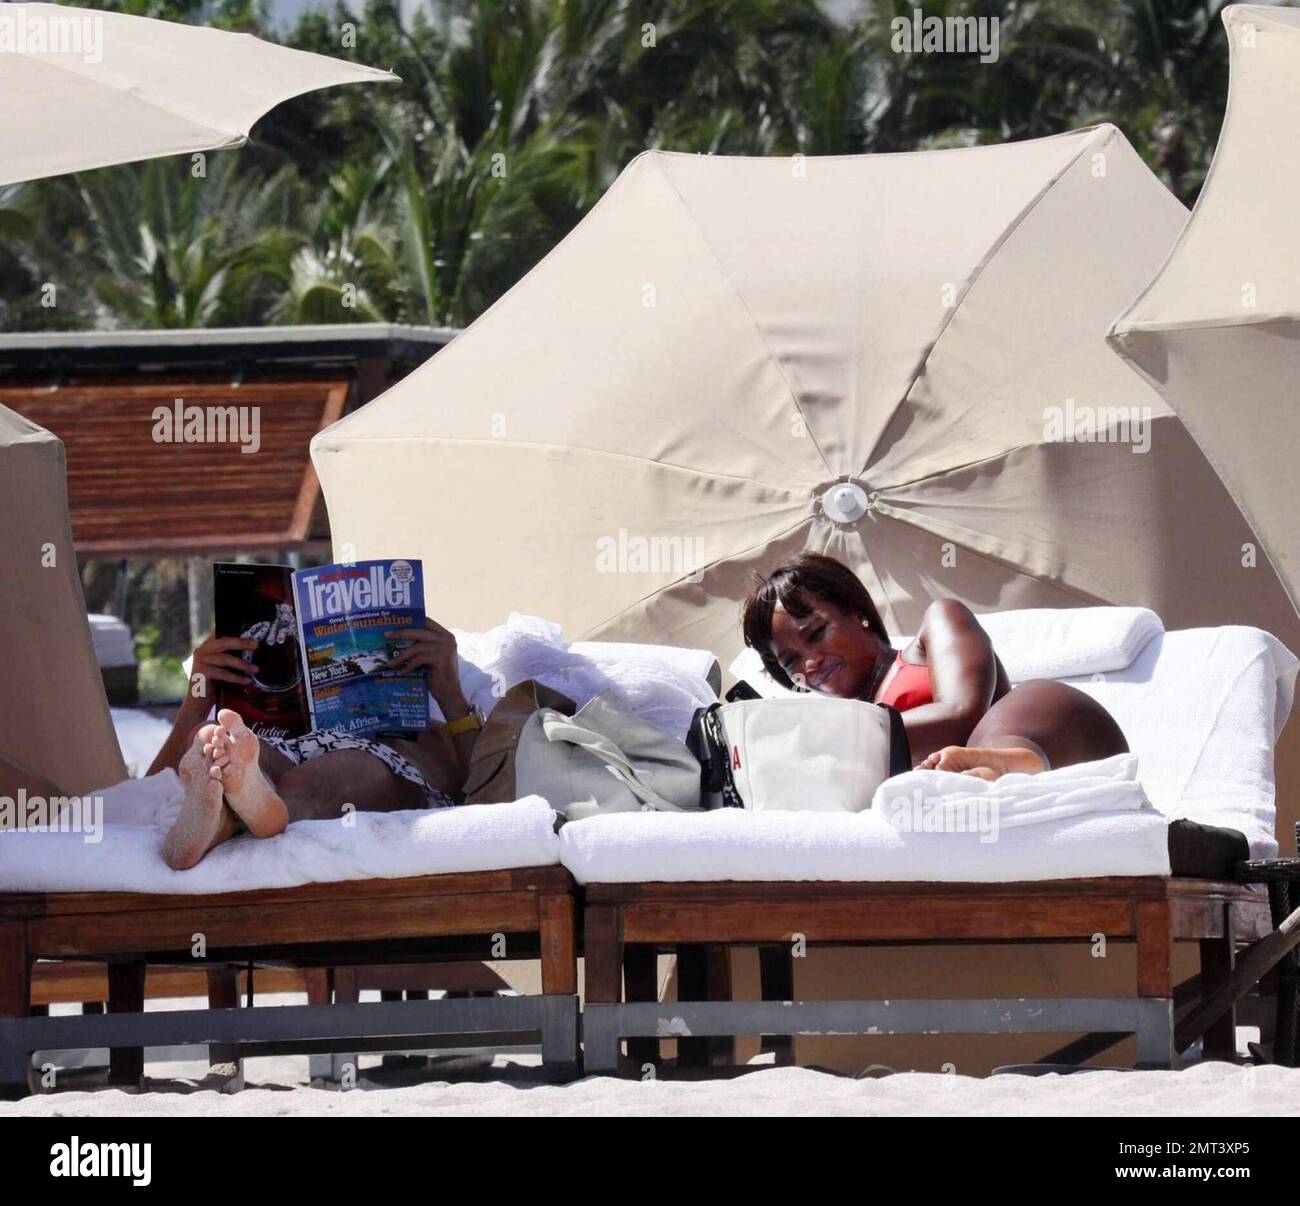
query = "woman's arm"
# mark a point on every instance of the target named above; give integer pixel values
(433, 650)
(215, 660)
(963, 676)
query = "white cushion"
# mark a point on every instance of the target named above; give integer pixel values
(376, 845)
(114, 645)
(734, 844)
(1201, 708)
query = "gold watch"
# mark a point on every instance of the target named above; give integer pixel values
(473, 719)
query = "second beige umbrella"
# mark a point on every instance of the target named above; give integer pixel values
(1218, 329)
(898, 359)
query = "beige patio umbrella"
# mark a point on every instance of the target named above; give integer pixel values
(53, 717)
(1217, 331)
(733, 359)
(81, 89)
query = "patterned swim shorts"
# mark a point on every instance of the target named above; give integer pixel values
(312, 745)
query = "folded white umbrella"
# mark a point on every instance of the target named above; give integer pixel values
(896, 359)
(84, 89)
(1217, 331)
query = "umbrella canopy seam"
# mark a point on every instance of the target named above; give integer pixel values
(807, 521)
(951, 469)
(1122, 330)
(321, 444)
(925, 151)
(127, 89)
(758, 328)
(1228, 17)
(954, 533)
(1108, 133)
(983, 460)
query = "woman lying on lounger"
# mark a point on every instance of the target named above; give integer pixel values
(235, 781)
(815, 627)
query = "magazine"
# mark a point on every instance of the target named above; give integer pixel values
(323, 654)
(344, 614)
(256, 601)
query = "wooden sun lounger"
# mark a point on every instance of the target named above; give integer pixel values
(625, 922)
(455, 918)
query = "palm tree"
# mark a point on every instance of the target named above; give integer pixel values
(1168, 77)
(156, 245)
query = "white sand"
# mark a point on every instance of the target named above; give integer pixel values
(1213, 1089)
(510, 1082)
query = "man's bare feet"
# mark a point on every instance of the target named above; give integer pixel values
(984, 763)
(235, 749)
(204, 819)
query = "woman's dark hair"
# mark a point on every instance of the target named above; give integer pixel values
(795, 584)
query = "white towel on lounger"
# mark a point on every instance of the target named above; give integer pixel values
(125, 855)
(664, 691)
(925, 801)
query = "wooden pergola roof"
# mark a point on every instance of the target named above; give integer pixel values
(133, 493)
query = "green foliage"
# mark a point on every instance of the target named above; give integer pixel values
(161, 680)
(423, 200)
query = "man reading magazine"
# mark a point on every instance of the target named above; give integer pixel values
(237, 780)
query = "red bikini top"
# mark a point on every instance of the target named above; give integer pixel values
(907, 685)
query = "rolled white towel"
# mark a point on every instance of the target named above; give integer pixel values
(934, 801)
(1069, 642)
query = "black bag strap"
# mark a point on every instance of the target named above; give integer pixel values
(900, 748)
(707, 741)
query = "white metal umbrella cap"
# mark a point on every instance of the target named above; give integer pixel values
(845, 502)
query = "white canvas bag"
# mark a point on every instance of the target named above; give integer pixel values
(604, 759)
(811, 753)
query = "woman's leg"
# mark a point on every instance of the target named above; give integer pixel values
(233, 781)
(268, 793)
(324, 787)
(1037, 725)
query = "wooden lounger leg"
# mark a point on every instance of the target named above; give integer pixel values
(776, 981)
(126, 995)
(559, 950)
(319, 982)
(603, 951)
(15, 997)
(225, 1061)
(1155, 1035)
(641, 983)
(346, 992)
(703, 974)
(1218, 956)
